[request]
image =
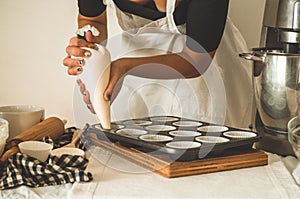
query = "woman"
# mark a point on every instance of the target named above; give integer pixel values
(203, 21)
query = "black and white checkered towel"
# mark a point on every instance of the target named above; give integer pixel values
(21, 169)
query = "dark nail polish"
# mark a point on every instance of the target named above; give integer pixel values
(95, 48)
(88, 106)
(79, 70)
(80, 62)
(82, 36)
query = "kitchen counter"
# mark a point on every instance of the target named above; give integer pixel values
(115, 177)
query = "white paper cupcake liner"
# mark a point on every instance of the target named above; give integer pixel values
(155, 138)
(183, 145)
(160, 128)
(239, 134)
(131, 132)
(187, 123)
(137, 122)
(181, 133)
(164, 119)
(112, 127)
(211, 139)
(212, 129)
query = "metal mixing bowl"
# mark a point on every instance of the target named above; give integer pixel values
(276, 77)
(294, 134)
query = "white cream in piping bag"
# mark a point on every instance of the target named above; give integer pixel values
(95, 76)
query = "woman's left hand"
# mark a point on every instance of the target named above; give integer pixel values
(118, 70)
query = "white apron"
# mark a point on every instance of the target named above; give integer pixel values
(203, 98)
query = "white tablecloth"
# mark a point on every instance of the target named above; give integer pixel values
(115, 177)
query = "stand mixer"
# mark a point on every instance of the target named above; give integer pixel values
(276, 75)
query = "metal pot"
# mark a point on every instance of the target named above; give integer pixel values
(276, 80)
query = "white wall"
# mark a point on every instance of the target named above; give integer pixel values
(247, 16)
(34, 34)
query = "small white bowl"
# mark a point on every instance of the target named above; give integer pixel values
(67, 151)
(37, 149)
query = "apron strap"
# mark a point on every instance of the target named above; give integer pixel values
(170, 7)
(169, 15)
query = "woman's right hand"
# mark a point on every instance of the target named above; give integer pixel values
(76, 53)
(75, 61)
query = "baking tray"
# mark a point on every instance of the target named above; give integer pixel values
(171, 135)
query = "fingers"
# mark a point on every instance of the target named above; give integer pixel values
(77, 51)
(116, 89)
(117, 73)
(75, 41)
(75, 70)
(89, 36)
(91, 108)
(110, 87)
(76, 55)
(81, 86)
(73, 62)
(113, 87)
(74, 65)
(86, 95)
(89, 41)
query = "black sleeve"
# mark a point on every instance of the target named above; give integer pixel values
(91, 8)
(205, 24)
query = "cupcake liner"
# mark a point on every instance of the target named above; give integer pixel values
(181, 133)
(160, 128)
(183, 145)
(164, 119)
(137, 122)
(155, 138)
(187, 123)
(212, 129)
(112, 127)
(211, 139)
(239, 134)
(131, 132)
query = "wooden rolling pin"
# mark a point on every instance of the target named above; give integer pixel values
(53, 127)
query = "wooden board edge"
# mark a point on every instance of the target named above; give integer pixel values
(173, 169)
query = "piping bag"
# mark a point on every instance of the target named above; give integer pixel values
(95, 76)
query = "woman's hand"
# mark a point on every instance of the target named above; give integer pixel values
(75, 61)
(76, 54)
(117, 73)
(118, 70)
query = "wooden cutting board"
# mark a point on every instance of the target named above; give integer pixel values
(162, 165)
